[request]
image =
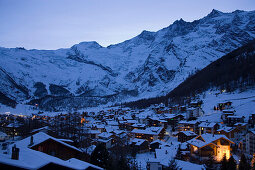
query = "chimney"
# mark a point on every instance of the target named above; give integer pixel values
(15, 153)
(31, 140)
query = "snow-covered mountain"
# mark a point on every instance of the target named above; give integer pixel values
(148, 65)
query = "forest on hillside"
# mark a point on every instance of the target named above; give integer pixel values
(236, 70)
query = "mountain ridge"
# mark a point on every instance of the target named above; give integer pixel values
(148, 65)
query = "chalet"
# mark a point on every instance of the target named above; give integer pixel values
(188, 126)
(15, 129)
(138, 126)
(231, 120)
(157, 121)
(227, 131)
(184, 136)
(93, 134)
(234, 133)
(119, 136)
(99, 127)
(226, 113)
(251, 120)
(106, 138)
(194, 112)
(206, 145)
(208, 127)
(24, 156)
(173, 119)
(139, 145)
(163, 156)
(44, 129)
(224, 105)
(150, 133)
(52, 146)
(250, 142)
(195, 104)
(156, 144)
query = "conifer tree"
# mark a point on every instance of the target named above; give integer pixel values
(231, 165)
(100, 157)
(224, 163)
(244, 165)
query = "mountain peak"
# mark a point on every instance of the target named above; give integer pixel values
(180, 21)
(89, 44)
(146, 35)
(214, 13)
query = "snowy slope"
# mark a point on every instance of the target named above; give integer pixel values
(242, 102)
(149, 65)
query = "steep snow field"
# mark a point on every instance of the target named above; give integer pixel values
(243, 104)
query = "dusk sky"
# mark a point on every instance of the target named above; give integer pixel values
(52, 24)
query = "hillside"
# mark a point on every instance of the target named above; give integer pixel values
(234, 71)
(148, 65)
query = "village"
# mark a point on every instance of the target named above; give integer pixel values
(152, 138)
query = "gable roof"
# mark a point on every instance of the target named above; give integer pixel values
(207, 139)
(32, 159)
(148, 130)
(39, 138)
(188, 133)
(207, 124)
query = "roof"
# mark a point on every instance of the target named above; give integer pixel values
(148, 130)
(208, 139)
(238, 117)
(207, 124)
(137, 141)
(158, 141)
(138, 125)
(226, 129)
(105, 135)
(188, 133)
(41, 137)
(42, 128)
(188, 122)
(32, 159)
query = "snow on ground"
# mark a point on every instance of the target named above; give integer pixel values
(143, 158)
(25, 110)
(188, 165)
(243, 103)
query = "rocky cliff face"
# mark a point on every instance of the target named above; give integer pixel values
(149, 65)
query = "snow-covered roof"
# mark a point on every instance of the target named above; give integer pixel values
(39, 138)
(138, 125)
(237, 117)
(164, 155)
(208, 138)
(189, 133)
(42, 128)
(207, 124)
(148, 130)
(105, 135)
(170, 116)
(32, 159)
(226, 129)
(188, 122)
(137, 141)
(158, 141)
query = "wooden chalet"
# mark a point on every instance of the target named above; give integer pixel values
(184, 136)
(150, 133)
(206, 145)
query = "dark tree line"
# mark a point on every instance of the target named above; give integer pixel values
(233, 71)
